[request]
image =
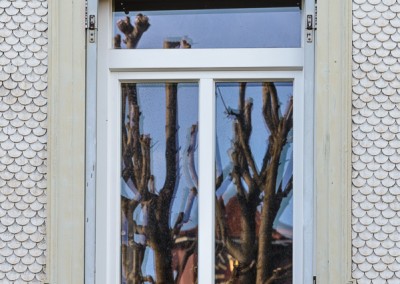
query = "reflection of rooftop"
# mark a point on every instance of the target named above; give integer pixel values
(186, 236)
(183, 243)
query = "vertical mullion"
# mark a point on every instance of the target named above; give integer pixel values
(206, 247)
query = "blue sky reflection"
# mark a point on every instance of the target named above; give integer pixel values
(223, 28)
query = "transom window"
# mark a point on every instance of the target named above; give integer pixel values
(209, 28)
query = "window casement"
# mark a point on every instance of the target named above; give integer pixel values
(215, 78)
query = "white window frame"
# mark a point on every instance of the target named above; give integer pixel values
(205, 66)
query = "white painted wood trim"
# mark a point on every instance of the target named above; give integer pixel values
(90, 151)
(206, 209)
(299, 200)
(108, 193)
(66, 142)
(209, 59)
(308, 152)
(333, 142)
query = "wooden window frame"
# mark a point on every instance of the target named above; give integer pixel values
(333, 142)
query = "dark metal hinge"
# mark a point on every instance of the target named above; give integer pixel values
(91, 28)
(309, 28)
(92, 22)
(309, 25)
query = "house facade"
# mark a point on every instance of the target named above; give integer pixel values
(49, 63)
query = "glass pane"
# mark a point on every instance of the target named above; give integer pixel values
(254, 182)
(159, 183)
(216, 28)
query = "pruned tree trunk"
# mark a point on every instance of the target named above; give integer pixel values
(163, 262)
(133, 33)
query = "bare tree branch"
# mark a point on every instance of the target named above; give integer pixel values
(170, 153)
(270, 106)
(148, 279)
(190, 153)
(145, 148)
(117, 41)
(280, 273)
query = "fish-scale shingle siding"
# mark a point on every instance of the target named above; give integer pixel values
(376, 141)
(23, 117)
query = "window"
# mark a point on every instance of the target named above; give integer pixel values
(209, 28)
(160, 191)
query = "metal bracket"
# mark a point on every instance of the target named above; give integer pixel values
(90, 24)
(92, 28)
(309, 28)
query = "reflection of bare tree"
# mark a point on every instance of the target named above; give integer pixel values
(154, 231)
(255, 187)
(132, 33)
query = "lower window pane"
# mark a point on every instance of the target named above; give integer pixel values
(159, 183)
(254, 182)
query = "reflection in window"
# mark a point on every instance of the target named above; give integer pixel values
(159, 183)
(217, 28)
(254, 183)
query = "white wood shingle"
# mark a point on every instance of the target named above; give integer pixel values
(23, 115)
(376, 141)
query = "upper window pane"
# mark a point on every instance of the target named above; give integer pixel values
(208, 28)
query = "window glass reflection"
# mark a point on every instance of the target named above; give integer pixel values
(254, 183)
(159, 183)
(217, 28)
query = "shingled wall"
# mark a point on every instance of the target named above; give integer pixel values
(23, 113)
(376, 141)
